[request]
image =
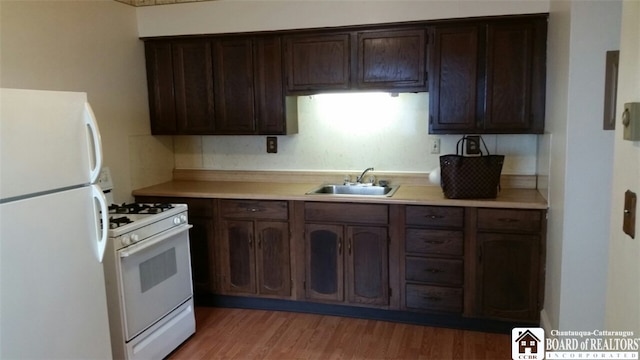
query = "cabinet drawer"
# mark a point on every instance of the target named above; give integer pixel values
(427, 241)
(441, 271)
(510, 219)
(254, 209)
(435, 216)
(347, 213)
(198, 207)
(436, 298)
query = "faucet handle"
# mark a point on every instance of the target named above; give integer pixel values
(347, 180)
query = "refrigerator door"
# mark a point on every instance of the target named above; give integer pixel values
(52, 289)
(49, 140)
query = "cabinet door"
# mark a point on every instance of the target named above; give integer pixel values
(234, 86)
(269, 86)
(367, 265)
(508, 76)
(272, 260)
(453, 86)
(392, 59)
(201, 254)
(508, 273)
(318, 62)
(193, 76)
(162, 105)
(325, 272)
(238, 242)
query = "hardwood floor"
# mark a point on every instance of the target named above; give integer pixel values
(257, 334)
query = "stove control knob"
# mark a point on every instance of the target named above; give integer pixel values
(135, 238)
(183, 219)
(126, 241)
(176, 221)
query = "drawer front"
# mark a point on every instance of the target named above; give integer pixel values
(441, 216)
(441, 271)
(198, 207)
(435, 298)
(347, 213)
(254, 209)
(440, 242)
(510, 219)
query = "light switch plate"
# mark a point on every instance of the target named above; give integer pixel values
(629, 217)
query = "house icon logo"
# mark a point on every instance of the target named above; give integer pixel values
(527, 343)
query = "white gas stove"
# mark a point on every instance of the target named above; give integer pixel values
(147, 269)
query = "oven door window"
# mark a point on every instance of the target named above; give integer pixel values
(155, 279)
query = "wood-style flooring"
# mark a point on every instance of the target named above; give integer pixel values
(223, 333)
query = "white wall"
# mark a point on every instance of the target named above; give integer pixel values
(349, 132)
(93, 47)
(623, 300)
(579, 155)
(257, 15)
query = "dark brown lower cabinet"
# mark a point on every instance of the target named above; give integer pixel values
(255, 252)
(433, 262)
(508, 276)
(509, 263)
(347, 264)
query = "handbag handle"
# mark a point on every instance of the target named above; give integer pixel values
(464, 139)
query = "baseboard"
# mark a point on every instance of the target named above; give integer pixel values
(544, 321)
(409, 317)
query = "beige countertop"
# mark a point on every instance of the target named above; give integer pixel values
(406, 194)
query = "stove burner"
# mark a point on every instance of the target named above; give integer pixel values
(119, 221)
(138, 208)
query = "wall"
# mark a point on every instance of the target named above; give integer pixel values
(623, 300)
(93, 47)
(579, 156)
(349, 132)
(240, 15)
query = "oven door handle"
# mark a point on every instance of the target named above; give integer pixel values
(133, 249)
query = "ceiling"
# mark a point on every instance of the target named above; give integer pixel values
(155, 2)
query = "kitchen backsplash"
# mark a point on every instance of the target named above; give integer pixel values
(349, 132)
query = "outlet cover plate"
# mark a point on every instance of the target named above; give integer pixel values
(473, 145)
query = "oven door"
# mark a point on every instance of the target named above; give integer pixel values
(155, 278)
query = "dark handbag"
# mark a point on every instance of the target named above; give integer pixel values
(470, 177)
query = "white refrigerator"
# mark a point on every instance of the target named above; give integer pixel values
(52, 290)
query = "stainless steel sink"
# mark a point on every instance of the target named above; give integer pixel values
(356, 189)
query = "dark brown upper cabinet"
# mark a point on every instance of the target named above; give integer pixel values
(318, 62)
(390, 59)
(218, 86)
(380, 59)
(180, 82)
(488, 77)
(249, 86)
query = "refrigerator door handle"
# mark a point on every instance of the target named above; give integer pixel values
(101, 241)
(94, 132)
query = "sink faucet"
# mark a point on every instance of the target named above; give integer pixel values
(361, 177)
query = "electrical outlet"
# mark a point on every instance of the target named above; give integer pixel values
(473, 145)
(272, 144)
(435, 145)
